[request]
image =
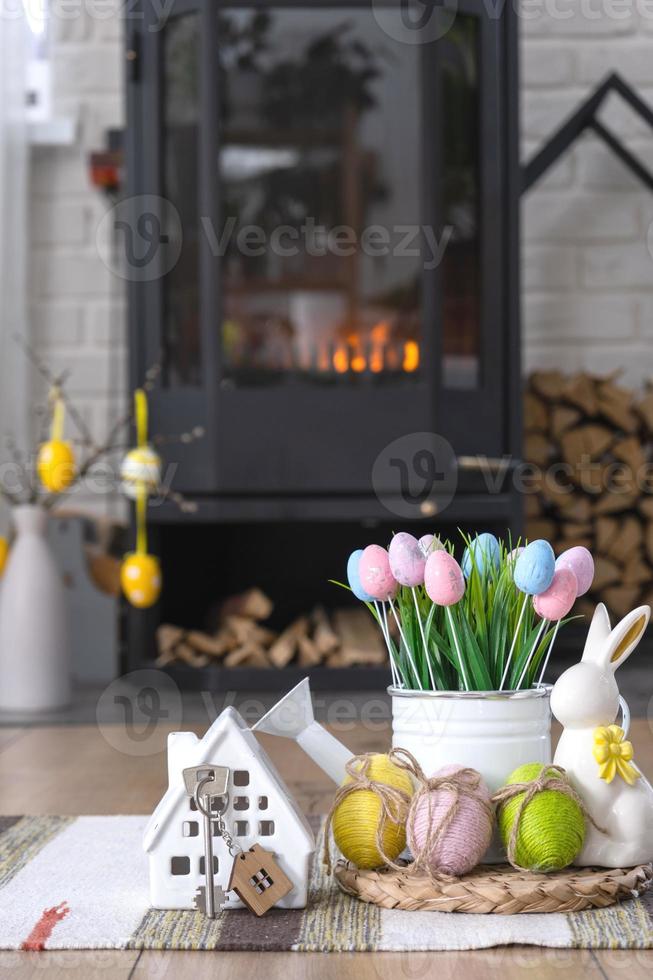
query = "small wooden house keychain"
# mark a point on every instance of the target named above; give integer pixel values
(255, 876)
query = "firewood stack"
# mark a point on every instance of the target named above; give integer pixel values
(343, 638)
(589, 441)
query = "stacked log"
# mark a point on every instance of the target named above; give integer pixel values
(588, 442)
(343, 638)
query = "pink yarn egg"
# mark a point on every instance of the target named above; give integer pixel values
(559, 597)
(407, 559)
(443, 578)
(464, 842)
(580, 561)
(375, 574)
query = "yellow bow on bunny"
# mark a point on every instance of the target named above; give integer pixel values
(613, 754)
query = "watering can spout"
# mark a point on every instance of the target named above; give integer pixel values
(293, 717)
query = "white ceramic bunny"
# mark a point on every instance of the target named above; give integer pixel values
(585, 698)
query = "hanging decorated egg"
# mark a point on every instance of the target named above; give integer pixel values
(353, 577)
(56, 465)
(140, 467)
(483, 554)
(581, 563)
(534, 568)
(443, 579)
(140, 578)
(407, 561)
(4, 554)
(375, 574)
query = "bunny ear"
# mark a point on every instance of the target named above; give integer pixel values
(625, 636)
(597, 635)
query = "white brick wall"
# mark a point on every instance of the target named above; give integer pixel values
(77, 306)
(587, 270)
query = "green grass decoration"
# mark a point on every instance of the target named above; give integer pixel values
(485, 621)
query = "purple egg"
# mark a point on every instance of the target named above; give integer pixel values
(560, 596)
(375, 575)
(444, 579)
(407, 560)
(580, 561)
(426, 543)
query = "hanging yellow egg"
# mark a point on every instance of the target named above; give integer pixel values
(140, 466)
(140, 578)
(56, 465)
(4, 554)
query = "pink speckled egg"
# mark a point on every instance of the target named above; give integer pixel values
(559, 597)
(407, 561)
(580, 561)
(467, 837)
(375, 574)
(443, 578)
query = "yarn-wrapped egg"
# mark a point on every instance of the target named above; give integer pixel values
(551, 828)
(140, 578)
(450, 823)
(55, 465)
(358, 815)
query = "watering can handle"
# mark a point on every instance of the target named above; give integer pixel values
(625, 715)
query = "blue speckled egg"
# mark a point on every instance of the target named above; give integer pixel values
(353, 577)
(484, 553)
(535, 567)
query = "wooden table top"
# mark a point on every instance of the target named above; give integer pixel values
(83, 770)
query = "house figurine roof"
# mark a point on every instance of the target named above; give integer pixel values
(185, 749)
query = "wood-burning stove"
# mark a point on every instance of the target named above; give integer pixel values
(337, 257)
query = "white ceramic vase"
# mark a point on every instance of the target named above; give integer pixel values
(34, 647)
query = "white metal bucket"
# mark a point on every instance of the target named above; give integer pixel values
(491, 731)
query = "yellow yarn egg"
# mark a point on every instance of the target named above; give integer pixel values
(140, 465)
(357, 817)
(140, 578)
(56, 465)
(4, 554)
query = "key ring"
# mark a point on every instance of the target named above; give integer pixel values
(233, 848)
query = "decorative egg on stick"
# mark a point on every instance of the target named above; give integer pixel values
(552, 605)
(580, 561)
(532, 574)
(445, 585)
(483, 554)
(353, 577)
(407, 564)
(55, 463)
(377, 579)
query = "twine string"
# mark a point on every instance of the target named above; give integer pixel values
(394, 803)
(551, 778)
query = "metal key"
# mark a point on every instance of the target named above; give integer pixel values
(205, 783)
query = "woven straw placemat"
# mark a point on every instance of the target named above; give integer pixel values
(496, 888)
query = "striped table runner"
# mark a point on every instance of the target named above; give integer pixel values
(81, 883)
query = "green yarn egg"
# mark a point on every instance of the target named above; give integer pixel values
(552, 827)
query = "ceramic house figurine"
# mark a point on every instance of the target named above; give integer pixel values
(594, 750)
(259, 810)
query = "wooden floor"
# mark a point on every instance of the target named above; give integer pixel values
(80, 769)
